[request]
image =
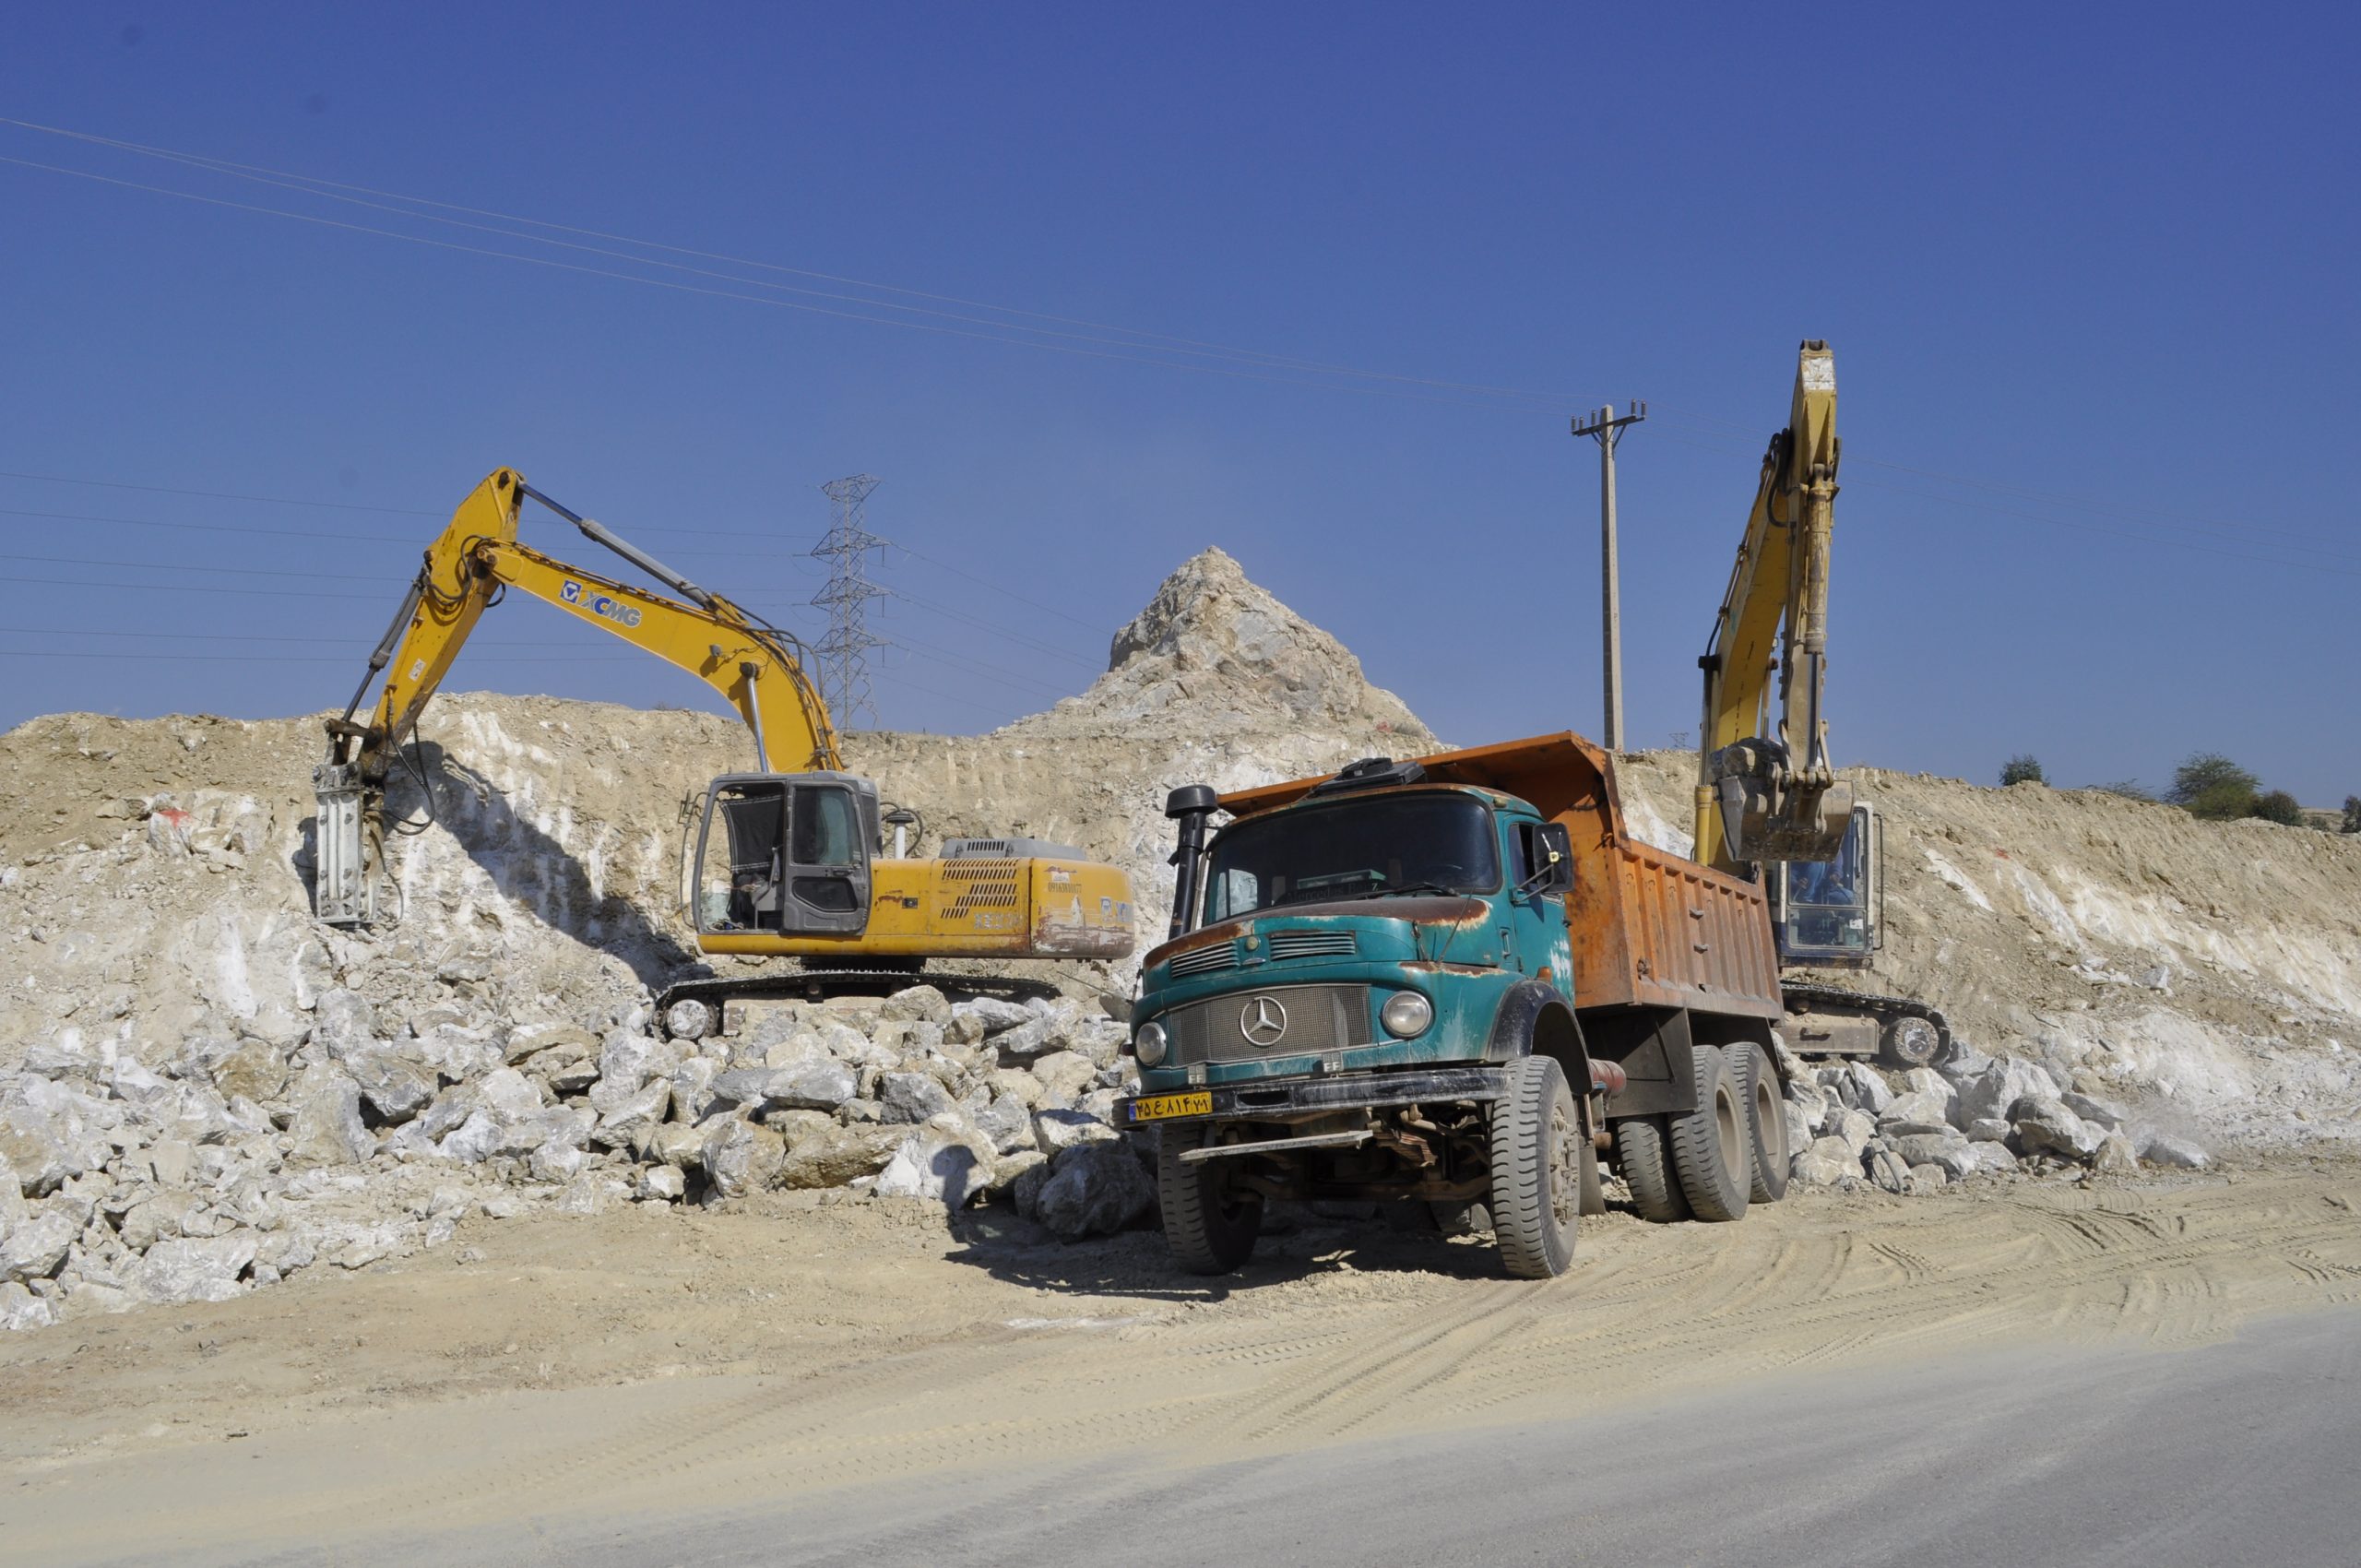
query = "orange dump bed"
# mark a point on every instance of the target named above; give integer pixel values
(1648, 928)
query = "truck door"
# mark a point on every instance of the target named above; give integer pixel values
(828, 862)
(1541, 869)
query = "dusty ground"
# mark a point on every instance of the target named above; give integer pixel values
(565, 1367)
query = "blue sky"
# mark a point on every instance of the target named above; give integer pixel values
(2086, 271)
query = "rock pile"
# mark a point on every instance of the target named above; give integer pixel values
(237, 1162)
(1915, 1132)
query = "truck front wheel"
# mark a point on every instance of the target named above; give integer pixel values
(1536, 1170)
(1209, 1226)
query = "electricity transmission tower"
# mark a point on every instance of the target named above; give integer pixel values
(844, 662)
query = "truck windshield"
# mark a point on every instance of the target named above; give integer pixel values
(1356, 849)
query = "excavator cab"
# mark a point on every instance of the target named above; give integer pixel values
(1832, 911)
(786, 853)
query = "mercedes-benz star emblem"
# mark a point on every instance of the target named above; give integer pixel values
(1264, 1022)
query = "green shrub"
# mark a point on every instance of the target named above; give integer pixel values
(2214, 787)
(2022, 768)
(2278, 806)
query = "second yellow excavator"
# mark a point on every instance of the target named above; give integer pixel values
(787, 862)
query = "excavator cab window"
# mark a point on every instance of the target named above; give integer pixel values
(1828, 911)
(790, 858)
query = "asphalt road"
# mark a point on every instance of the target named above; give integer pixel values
(2244, 1452)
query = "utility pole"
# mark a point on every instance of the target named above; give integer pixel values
(844, 662)
(1608, 429)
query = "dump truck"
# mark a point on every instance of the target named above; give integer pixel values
(1460, 980)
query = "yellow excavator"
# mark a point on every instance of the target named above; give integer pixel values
(788, 859)
(1770, 805)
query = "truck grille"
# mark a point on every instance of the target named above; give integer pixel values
(1207, 961)
(1317, 1018)
(1312, 943)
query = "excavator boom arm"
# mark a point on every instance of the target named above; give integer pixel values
(466, 568)
(1779, 799)
(477, 555)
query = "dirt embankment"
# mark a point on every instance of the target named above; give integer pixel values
(2209, 972)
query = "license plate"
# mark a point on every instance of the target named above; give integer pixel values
(1157, 1107)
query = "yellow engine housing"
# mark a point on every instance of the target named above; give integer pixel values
(979, 908)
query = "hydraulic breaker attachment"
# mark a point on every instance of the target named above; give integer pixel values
(346, 894)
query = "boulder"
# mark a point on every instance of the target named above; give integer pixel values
(1859, 1087)
(328, 1128)
(195, 1269)
(1887, 1172)
(1837, 1151)
(742, 1157)
(1063, 1076)
(1918, 1107)
(20, 1309)
(342, 1019)
(1989, 1130)
(995, 1015)
(2106, 1113)
(630, 1123)
(918, 1003)
(1948, 1149)
(52, 1133)
(946, 1161)
(912, 1097)
(663, 1184)
(255, 1069)
(2162, 1149)
(674, 1144)
(1005, 1121)
(1094, 1189)
(396, 1089)
(35, 1245)
(2115, 1155)
(2044, 1125)
(528, 1041)
(1101, 1040)
(1992, 1092)
(1818, 1171)
(822, 1152)
(1926, 1181)
(1055, 1130)
(1033, 1037)
(1990, 1157)
(457, 1053)
(1855, 1128)
(1801, 1123)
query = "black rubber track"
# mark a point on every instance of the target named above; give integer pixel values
(1536, 1185)
(1767, 1122)
(1643, 1153)
(1209, 1230)
(1711, 1152)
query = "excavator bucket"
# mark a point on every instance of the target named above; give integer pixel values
(1767, 814)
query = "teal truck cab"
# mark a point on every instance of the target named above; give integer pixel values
(1454, 980)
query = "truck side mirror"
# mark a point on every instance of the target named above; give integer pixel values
(1560, 864)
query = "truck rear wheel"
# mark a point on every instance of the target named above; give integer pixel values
(1643, 1153)
(1767, 1122)
(1536, 1170)
(1711, 1152)
(1209, 1225)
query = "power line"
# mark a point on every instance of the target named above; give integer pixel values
(1017, 637)
(222, 495)
(314, 185)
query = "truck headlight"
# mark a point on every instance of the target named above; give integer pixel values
(1149, 1044)
(1406, 1013)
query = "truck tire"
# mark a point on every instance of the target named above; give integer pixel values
(1643, 1153)
(1711, 1152)
(1767, 1122)
(1536, 1170)
(1210, 1228)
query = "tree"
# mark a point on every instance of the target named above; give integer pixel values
(2130, 789)
(2278, 806)
(2214, 788)
(2353, 814)
(2022, 768)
